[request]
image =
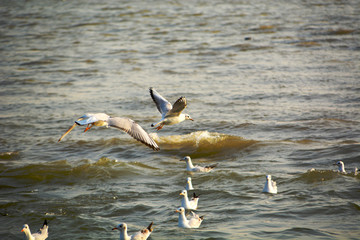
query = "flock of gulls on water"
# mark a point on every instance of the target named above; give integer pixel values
(170, 114)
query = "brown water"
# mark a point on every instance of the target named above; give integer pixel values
(273, 87)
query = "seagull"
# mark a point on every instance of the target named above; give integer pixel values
(190, 167)
(270, 185)
(140, 235)
(189, 185)
(125, 124)
(189, 204)
(169, 114)
(193, 222)
(341, 168)
(42, 234)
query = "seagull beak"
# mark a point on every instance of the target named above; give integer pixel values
(66, 133)
(191, 119)
(22, 230)
(181, 193)
(115, 228)
(177, 211)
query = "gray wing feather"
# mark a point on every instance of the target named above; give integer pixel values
(178, 106)
(161, 103)
(42, 233)
(133, 129)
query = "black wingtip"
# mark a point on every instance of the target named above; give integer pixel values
(213, 165)
(153, 147)
(150, 228)
(151, 89)
(45, 223)
(195, 196)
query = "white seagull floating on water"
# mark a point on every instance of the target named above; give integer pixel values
(125, 124)
(270, 185)
(189, 185)
(169, 114)
(341, 167)
(42, 234)
(191, 168)
(141, 235)
(193, 222)
(189, 204)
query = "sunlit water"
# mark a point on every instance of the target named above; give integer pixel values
(273, 88)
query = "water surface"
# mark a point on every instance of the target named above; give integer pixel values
(273, 88)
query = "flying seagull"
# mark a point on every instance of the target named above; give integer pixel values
(125, 124)
(170, 114)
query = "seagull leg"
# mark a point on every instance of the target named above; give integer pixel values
(88, 127)
(160, 127)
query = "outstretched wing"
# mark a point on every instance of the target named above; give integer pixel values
(134, 130)
(66, 133)
(91, 118)
(161, 103)
(178, 107)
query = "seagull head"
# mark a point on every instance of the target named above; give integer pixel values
(188, 180)
(187, 117)
(341, 166)
(186, 159)
(25, 228)
(180, 210)
(121, 227)
(268, 177)
(86, 119)
(339, 163)
(183, 193)
(26, 231)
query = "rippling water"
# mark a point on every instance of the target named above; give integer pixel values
(273, 87)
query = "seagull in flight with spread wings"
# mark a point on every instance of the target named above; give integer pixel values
(125, 124)
(170, 114)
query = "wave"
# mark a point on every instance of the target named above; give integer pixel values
(316, 176)
(203, 143)
(9, 155)
(64, 172)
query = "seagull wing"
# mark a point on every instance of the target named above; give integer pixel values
(66, 133)
(195, 220)
(42, 234)
(133, 129)
(143, 234)
(161, 103)
(86, 120)
(178, 107)
(211, 167)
